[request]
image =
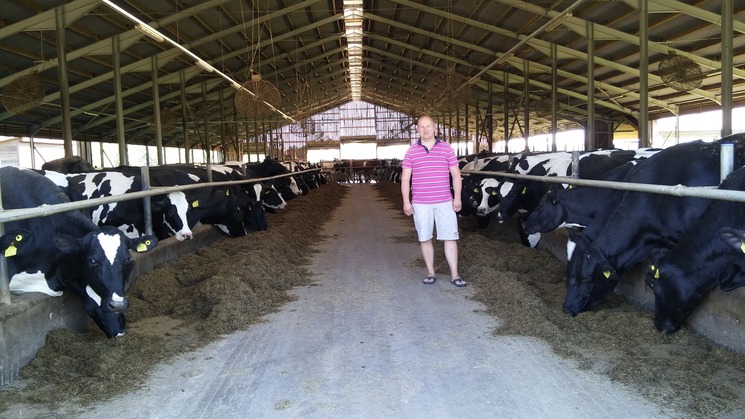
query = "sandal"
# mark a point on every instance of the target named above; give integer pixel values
(429, 280)
(458, 282)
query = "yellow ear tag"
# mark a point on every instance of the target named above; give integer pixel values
(142, 247)
(657, 274)
(475, 190)
(606, 274)
(10, 251)
(19, 238)
(195, 204)
(525, 189)
(742, 247)
(651, 268)
(227, 193)
(571, 186)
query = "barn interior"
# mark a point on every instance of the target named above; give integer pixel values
(222, 74)
(229, 76)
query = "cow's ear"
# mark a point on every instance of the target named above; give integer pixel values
(68, 244)
(15, 241)
(143, 244)
(733, 237)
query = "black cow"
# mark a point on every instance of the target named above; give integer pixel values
(702, 260)
(66, 251)
(641, 222)
(168, 211)
(577, 206)
(69, 164)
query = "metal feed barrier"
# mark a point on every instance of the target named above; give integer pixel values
(145, 194)
(710, 192)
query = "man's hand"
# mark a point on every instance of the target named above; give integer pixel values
(457, 205)
(408, 209)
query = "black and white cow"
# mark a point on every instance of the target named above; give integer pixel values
(248, 196)
(286, 186)
(205, 205)
(702, 260)
(168, 211)
(524, 195)
(66, 251)
(641, 222)
(479, 193)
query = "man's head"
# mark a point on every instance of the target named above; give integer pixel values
(426, 128)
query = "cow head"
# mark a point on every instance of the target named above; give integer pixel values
(509, 198)
(271, 198)
(470, 195)
(104, 260)
(681, 284)
(675, 296)
(294, 188)
(548, 215)
(283, 186)
(302, 185)
(173, 210)
(254, 216)
(590, 278)
(220, 208)
(489, 196)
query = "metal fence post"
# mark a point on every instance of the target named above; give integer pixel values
(4, 280)
(146, 207)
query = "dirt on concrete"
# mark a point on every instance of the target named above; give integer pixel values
(199, 299)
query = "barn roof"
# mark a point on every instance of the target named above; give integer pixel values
(438, 56)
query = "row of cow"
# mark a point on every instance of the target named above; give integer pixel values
(691, 245)
(88, 251)
(357, 170)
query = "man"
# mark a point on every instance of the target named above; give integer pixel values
(425, 186)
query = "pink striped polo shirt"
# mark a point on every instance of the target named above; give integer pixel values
(430, 172)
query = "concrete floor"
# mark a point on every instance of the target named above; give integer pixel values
(368, 339)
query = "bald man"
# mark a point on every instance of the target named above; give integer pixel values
(427, 169)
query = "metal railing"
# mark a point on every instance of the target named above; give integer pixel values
(676, 190)
(710, 192)
(147, 192)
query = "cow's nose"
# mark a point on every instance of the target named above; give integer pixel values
(119, 304)
(186, 235)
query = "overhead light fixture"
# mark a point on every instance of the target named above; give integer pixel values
(353, 15)
(204, 66)
(149, 31)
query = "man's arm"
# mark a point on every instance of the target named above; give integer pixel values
(457, 186)
(406, 190)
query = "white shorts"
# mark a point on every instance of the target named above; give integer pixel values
(441, 216)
